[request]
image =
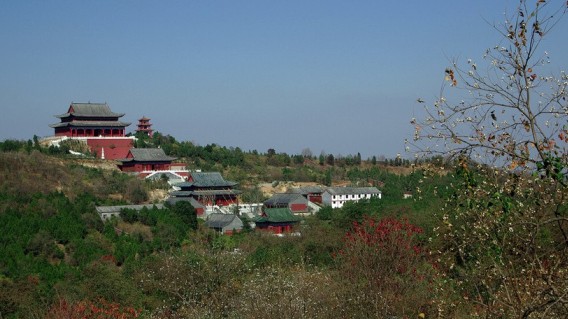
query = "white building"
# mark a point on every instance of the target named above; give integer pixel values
(107, 212)
(337, 196)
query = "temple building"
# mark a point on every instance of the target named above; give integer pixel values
(145, 126)
(296, 203)
(90, 120)
(140, 160)
(226, 224)
(276, 220)
(97, 126)
(208, 188)
(311, 193)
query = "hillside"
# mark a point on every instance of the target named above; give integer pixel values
(58, 257)
(36, 172)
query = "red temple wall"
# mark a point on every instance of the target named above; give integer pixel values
(129, 168)
(314, 198)
(219, 201)
(299, 208)
(140, 167)
(81, 132)
(114, 148)
(275, 229)
(225, 201)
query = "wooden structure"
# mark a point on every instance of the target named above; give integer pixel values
(295, 202)
(90, 120)
(208, 188)
(276, 220)
(145, 159)
(311, 193)
(97, 126)
(226, 224)
(145, 126)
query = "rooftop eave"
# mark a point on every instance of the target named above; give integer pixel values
(90, 124)
(89, 115)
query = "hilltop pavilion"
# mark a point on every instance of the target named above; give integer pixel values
(96, 125)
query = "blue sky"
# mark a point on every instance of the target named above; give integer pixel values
(337, 76)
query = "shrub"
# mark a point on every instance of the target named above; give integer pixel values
(385, 269)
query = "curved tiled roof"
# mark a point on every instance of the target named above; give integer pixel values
(206, 179)
(191, 200)
(148, 155)
(90, 110)
(305, 190)
(90, 124)
(277, 215)
(284, 199)
(209, 192)
(220, 220)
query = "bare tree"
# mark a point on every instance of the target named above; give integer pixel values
(505, 121)
(307, 153)
(512, 111)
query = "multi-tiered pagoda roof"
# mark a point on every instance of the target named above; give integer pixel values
(90, 119)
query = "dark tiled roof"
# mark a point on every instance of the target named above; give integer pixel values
(307, 190)
(220, 220)
(205, 192)
(117, 209)
(207, 179)
(353, 190)
(148, 155)
(181, 193)
(277, 215)
(284, 199)
(91, 124)
(191, 200)
(217, 192)
(159, 175)
(90, 110)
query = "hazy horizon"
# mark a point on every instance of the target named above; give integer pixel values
(333, 76)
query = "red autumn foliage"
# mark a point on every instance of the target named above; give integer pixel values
(90, 310)
(388, 243)
(384, 261)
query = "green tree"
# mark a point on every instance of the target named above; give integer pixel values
(186, 212)
(330, 160)
(328, 177)
(271, 152)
